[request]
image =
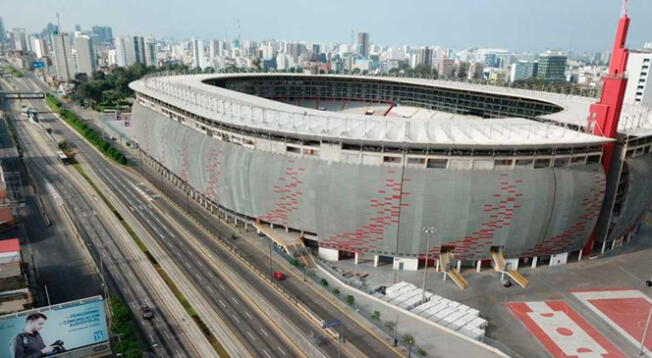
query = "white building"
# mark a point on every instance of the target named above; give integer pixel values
(86, 61)
(639, 88)
(198, 53)
(64, 63)
(40, 47)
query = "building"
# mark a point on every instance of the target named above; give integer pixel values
(445, 67)
(475, 71)
(424, 57)
(362, 45)
(85, 54)
(371, 161)
(3, 33)
(198, 53)
(150, 52)
(102, 35)
(39, 47)
(552, 68)
(20, 41)
(523, 70)
(64, 62)
(639, 86)
(129, 50)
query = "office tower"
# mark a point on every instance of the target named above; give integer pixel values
(121, 51)
(523, 70)
(138, 48)
(639, 88)
(552, 68)
(102, 35)
(129, 50)
(150, 52)
(197, 53)
(39, 47)
(363, 44)
(64, 63)
(3, 34)
(86, 62)
(424, 57)
(20, 42)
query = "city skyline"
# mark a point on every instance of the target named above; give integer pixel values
(581, 26)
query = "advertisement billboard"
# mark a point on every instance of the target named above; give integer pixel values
(55, 331)
(38, 64)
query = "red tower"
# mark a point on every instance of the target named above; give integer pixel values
(604, 114)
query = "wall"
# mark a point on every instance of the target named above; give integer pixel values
(367, 208)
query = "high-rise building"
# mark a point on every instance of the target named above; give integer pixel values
(424, 57)
(150, 52)
(475, 71)
(85, 54)
(639, 84)
(39, 47)
(552, 68)
(362, 45)
(121, 50)
(138, 48)
(64, 64)
(3, 34)
(445, 67)
(129, 50)
(19, 40)
(102, 35)
(197, 53)
(523, 70)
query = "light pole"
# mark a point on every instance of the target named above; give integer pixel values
(428, 231)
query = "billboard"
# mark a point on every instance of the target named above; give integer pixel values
(56, 331)
(38, 64)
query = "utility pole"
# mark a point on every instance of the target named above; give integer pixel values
(428, 231)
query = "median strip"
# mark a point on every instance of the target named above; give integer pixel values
(84, 129)
(168, 281)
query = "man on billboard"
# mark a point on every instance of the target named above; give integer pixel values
(29, 344)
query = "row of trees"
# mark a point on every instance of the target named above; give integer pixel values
(84, 129)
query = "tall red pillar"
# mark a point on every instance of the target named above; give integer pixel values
(605, 114)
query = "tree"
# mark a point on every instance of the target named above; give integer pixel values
(336, 291)
(408, 340)
(376, 315)
(324, 282)
(350, 300)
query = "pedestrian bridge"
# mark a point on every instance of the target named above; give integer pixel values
(22, 95)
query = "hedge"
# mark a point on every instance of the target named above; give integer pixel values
(81, 127)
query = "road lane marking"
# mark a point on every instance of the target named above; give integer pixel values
(235, 318)
(282, 351)
(266, 354)
(264, 332)
(221, 303)
(247, 314)
(251, 336)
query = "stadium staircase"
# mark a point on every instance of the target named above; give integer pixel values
(293, 247)
(445, 260)
(500, 264)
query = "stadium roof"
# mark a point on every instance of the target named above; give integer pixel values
(260, 114)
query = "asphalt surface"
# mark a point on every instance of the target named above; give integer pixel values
(257, 334)
(120, 270)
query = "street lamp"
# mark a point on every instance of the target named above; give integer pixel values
(428, 231)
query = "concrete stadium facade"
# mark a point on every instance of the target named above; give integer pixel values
(531, 184)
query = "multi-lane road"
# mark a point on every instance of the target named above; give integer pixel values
(254, 330)
(210, 268)
(122, 267)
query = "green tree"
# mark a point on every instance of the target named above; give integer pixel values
(408, 340)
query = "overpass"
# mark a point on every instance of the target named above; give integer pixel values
(22, 95)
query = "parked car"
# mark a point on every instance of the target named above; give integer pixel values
(279, 275)
(146, 311)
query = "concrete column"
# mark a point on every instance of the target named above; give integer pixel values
(356, 258)
(534, 261)
(437, 266)
(459, 265)
(579, 257)
(376, 259)
(478, 266)
(613, 244)
(271, 225)
(604, 247)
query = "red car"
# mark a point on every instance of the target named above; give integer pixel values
(279, 275)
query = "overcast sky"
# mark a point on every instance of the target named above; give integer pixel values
(533, 25)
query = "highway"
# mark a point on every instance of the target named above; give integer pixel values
(167, 223)
(256, 331)
(118, 264)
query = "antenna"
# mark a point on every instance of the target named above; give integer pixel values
(58, 22)
(239, 32)
(625, 7)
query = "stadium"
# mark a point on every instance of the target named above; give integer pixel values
(358, 166)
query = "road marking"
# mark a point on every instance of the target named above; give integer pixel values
(210, 289)
(264, 332)
(235, 300)
(267, 354)
(251, 336)
(222, 303)
(247, 314)
(235, 318)
(222, 286)
(282, 351)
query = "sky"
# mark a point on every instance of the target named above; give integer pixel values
(523, 25)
